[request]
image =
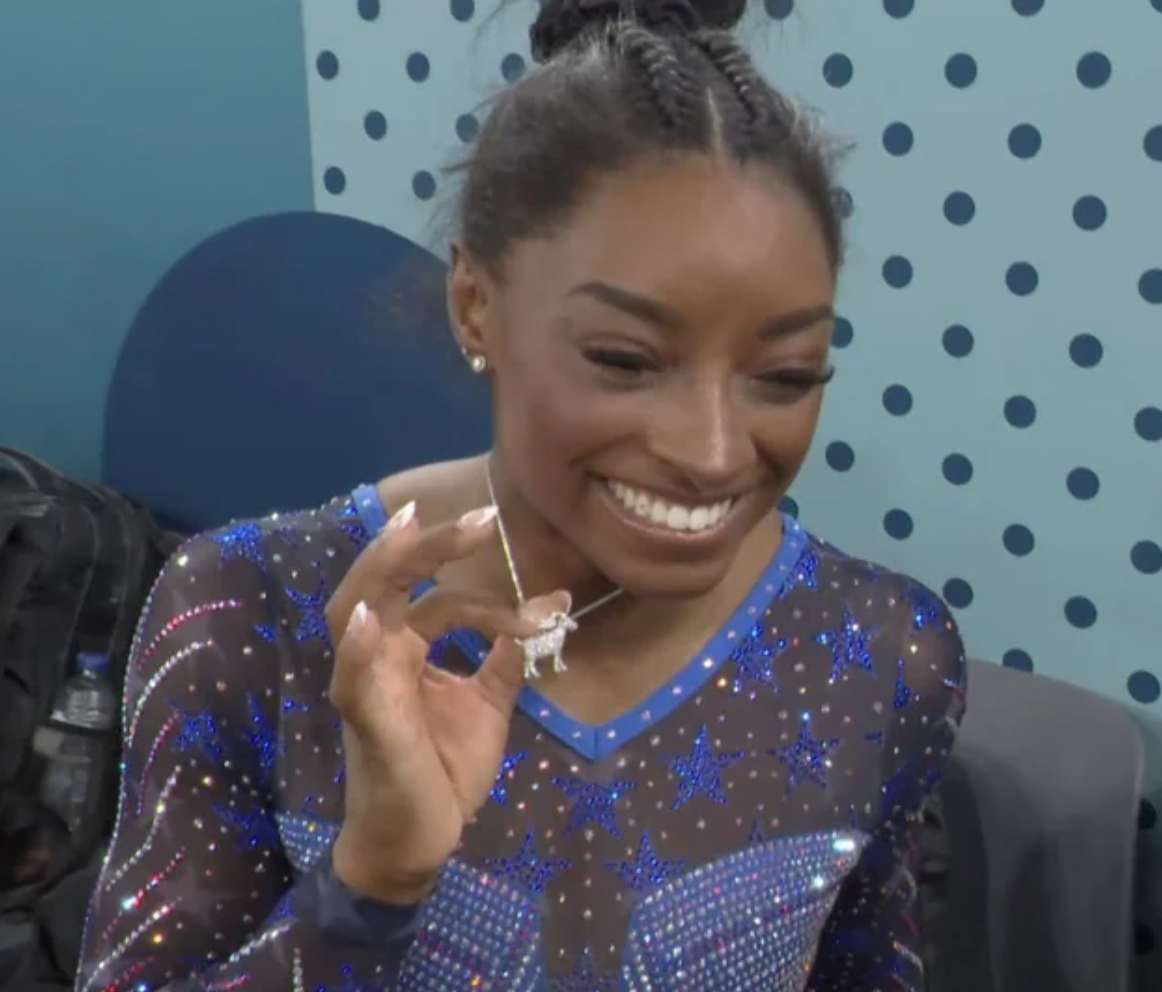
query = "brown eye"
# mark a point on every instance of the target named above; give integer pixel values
(618, 360)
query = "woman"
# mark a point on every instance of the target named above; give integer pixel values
(342, 772)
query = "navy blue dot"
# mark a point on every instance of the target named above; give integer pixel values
(1093, 70)
(512, 67)
(957, 470)
(424, 185)
(898, 138)
(1017, 659)
(1146, 557)
(1027, 8)
(1020, 411)
(1021, 279)
(1024, 141)
(1144, 687)
(1018, 540)
(838, 70)
(375, 124)
(1148, 423)
(788, 506)
(959, 208)
(418, 66)
(897, 272)
(327, 65)
(1086, 351)
(1147, 814)
(958, 341)
(1152, 143)
(843, 332)
(1150, 286)
(960, 70)
(467, 127)
(897, 400)
(1080, 612)
(843, 202)
(1089, 213)
(898, 8)
(1157, 5)
(779, 9)
(898, 524)
(840, 456)
(369, 9)
(463, 10)
(1083, 483)
(958, 593)
(334, 181)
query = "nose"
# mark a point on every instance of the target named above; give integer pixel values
(702, 436)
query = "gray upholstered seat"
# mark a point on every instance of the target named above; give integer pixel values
(1040, 807)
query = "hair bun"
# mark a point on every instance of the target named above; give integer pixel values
(561, 22)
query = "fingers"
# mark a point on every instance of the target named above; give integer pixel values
(401, 557)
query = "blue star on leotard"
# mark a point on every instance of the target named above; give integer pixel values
(242, 541)
(593, 802)
(850, 646)
(312, 616)
(525, 868)
(499, 791)
(646, 870)
(754, 660)
(700, 772)
(806, 758)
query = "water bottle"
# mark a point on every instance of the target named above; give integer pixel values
(75, 748)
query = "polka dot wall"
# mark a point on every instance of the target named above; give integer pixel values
(996, 424)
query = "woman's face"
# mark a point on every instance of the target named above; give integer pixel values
(657, 367)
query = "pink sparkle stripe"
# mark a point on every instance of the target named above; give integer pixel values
(179, 621)
(154, 749)
(130, 904)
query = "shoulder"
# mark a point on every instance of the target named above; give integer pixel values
(326, 538)
(901, 616)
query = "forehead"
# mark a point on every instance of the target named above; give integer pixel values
(691, 226)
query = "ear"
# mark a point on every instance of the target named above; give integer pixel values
(471, 300)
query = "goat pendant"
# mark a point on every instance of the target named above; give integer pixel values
(547, 643)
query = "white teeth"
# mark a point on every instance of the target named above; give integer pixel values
(672, 515)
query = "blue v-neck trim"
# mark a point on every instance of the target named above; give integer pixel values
(597, 742)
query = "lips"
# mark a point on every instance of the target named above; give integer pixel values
(657, 511)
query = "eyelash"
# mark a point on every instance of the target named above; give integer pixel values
(630, 364)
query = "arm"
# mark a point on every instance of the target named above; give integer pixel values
(196, 893)
(872, 940)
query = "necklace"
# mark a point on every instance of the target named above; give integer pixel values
(549, 641)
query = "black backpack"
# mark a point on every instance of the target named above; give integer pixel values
(77, 562)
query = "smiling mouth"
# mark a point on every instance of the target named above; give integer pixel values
(666, 515)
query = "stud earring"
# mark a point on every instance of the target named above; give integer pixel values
(477, 363)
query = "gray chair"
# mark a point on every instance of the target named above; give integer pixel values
(1040, 805)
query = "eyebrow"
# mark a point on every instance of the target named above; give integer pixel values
(657, 313)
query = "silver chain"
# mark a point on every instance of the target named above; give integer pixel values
(511, 562)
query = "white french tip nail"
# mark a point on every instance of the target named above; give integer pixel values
(403, 517)
(358, 617)
(478, 518)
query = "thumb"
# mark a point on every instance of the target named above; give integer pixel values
(501, 677)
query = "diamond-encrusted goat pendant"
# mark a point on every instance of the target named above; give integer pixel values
(548, 643)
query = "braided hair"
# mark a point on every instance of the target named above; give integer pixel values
(619, 81)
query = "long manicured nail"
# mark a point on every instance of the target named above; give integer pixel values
(478, 518)
(403, 517)
(357, 622)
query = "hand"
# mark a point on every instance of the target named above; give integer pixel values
(423, 746)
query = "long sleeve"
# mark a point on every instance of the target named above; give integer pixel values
(197, 891)
(872, 940)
